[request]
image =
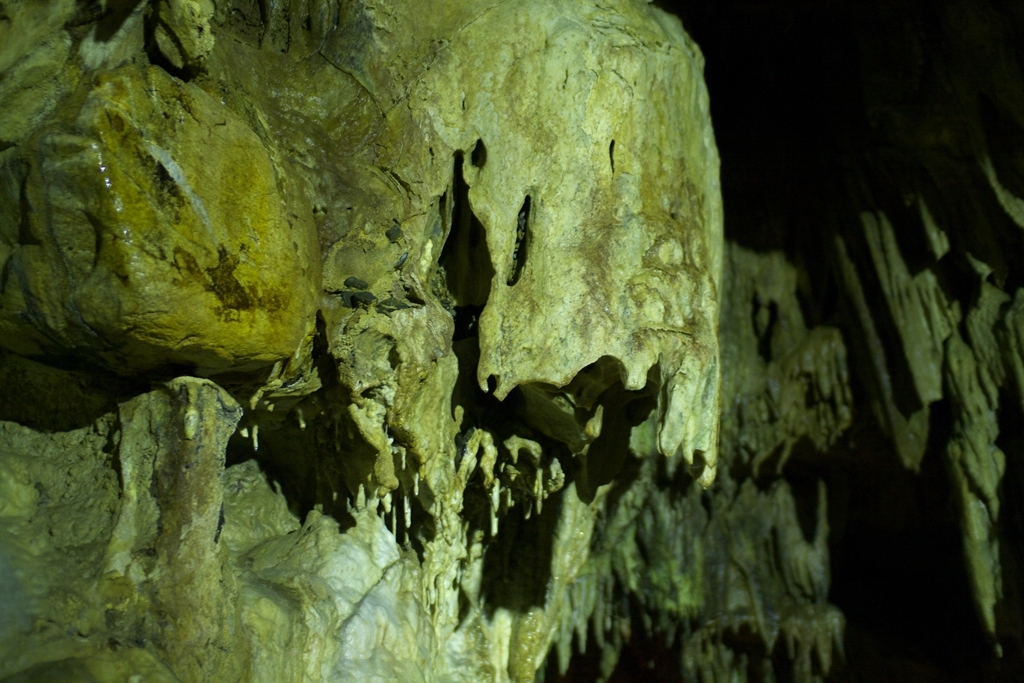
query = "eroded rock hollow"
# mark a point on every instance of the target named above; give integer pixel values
(393, 341)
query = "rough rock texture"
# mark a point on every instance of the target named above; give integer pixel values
(129, 509)
(971, 371)
(206, 569)
(152, 233)
(783, 381)
(375, 341)
(886, 162)
(159, 214)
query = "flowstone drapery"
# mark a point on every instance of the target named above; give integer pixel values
(384, 341)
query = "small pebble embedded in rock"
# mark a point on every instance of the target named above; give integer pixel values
(353, 299)
(356, 283)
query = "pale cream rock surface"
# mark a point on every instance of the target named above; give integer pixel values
(546, 171)
(493, 444)
(635, 244)
(359, 606)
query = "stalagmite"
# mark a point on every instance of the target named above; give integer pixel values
(495, 507)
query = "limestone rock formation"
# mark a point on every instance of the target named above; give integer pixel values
(391, 341)
(153, 234)
(162, 217)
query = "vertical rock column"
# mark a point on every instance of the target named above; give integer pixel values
(166, 544)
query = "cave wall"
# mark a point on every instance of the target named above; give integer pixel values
(885, 163)
(371, 341)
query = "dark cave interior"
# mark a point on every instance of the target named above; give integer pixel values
(822, 110)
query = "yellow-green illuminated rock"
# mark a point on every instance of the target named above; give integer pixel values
(476, 251)
(153, 233)
(591, 163)
(183, 31)
(785, 382)
(34, 51)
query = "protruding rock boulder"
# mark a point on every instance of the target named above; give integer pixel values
(150, 231)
